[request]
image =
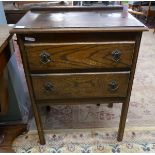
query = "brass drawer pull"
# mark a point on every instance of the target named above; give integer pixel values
(116, 54)
(48, 87)
(113, 86)
(45, 57)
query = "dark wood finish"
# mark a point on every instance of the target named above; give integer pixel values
(75, 43)
(76, 8)
(85, 85)
(8, 134)
(15, 11)
(77, 30)
(75, 37)
(3, 94)
(75, 101)
(79, 55)
(125, 104)
(3, 81)
(13, 16)
(29, 83)
(76, 19)
(87, 21)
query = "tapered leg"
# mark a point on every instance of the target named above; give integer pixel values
(110, 105)
(122, 123)
(39, 124)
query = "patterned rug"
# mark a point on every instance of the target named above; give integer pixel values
(92, 117)
(87, 141)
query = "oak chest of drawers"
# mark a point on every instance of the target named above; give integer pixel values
(79, 54)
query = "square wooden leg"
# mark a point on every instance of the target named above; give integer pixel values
(122, 123)
(39, 124)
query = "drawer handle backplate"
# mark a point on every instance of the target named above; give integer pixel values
(48, 87)
(113, 86)
(116, 54)
(45, 57)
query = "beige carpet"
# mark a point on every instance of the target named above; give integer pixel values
(141, 114)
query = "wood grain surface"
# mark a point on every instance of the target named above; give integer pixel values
(79, 85)
(79, 56)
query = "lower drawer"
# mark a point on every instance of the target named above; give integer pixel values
(80, 85)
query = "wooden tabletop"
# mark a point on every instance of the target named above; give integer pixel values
(77, 20)
(4, 36)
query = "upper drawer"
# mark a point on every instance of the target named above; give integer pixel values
(52, 56)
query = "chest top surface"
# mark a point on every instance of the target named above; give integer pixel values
(98, 19)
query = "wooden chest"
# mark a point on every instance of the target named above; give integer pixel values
(79, 54)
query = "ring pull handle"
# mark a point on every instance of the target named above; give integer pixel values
(48, 87)
(113, 86)
(116, 54)
(45, 57)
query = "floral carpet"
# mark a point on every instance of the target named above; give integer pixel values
(82, 123)
(86, 141)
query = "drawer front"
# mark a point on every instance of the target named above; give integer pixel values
(80, 85)
(79, 56)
